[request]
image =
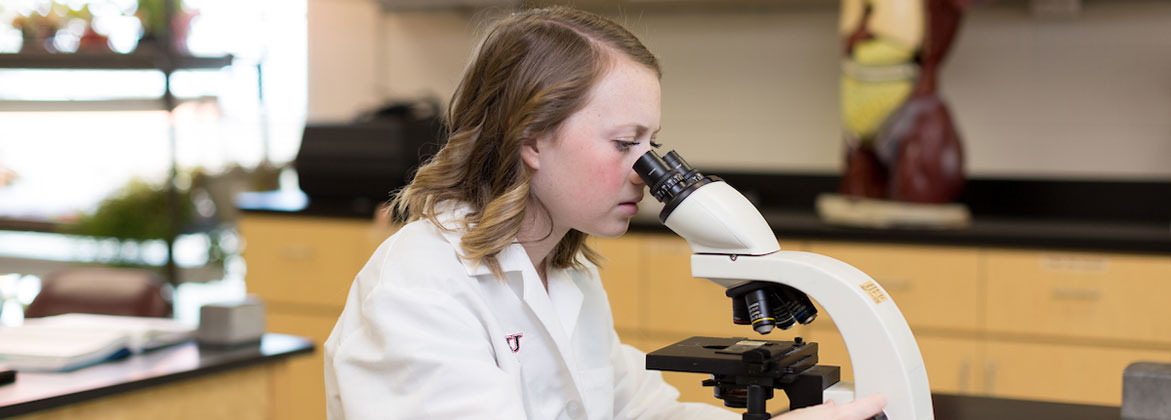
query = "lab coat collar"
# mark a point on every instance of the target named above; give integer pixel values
(451, 228)
(563, 300)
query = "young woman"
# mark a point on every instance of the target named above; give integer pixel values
(487, 305)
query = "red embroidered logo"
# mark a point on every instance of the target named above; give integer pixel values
(514, 341)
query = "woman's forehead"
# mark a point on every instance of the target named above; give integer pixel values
(628, 93)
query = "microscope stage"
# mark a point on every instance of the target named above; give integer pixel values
(734, 356)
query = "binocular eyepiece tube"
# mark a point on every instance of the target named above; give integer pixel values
(669, 178)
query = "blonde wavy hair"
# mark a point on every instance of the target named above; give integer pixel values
(533, 70)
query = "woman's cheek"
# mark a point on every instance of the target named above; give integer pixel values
(609, 174)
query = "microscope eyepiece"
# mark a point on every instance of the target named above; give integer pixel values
(651, 168)
(670, 178)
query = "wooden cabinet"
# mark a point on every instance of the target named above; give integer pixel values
(302, 267)
(1029, 324)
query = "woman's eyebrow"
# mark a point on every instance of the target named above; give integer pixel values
(639, 129)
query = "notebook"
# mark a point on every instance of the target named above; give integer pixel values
(71, 341)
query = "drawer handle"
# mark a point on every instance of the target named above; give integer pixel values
(297, 252)
(1074, 293)
(1074, 263)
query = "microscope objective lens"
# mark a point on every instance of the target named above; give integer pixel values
(759, 311)
(740, 312)
(800, 305)
(781, 314)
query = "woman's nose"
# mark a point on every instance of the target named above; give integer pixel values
(635, 179)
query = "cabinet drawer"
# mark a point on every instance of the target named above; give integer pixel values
(1054, 372)
(304, 260)
(934, 287)
(1083, 295)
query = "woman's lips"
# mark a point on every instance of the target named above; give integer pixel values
(629, 207)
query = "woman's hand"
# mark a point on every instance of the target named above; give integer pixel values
(862, 409)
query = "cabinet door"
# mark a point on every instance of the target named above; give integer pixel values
(306, 374)
(1061, 372)
(623, 276)
(304, 260)
(1081, 295)
(953, 364)
(934, 287)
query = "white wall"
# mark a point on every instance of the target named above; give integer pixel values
(1089, 96)
(342, 47)
(756, 88)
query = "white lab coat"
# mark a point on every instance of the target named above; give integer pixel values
(427, 335)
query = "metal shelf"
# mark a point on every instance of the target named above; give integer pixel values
(86, 105)
(110, 61)
(144, 59)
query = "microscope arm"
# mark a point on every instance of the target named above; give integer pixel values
(883, 352)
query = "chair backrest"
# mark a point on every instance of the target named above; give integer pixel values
(110, 291)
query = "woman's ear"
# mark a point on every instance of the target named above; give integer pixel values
(530, 152)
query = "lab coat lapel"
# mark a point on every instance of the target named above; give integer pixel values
(539, 302)
(566, 298)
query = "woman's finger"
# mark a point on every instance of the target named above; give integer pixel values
(863, 408)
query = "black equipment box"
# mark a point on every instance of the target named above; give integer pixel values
(363, 161)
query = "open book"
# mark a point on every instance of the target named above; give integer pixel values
(71, 341)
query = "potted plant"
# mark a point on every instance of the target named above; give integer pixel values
(153, 15)
(141, 212)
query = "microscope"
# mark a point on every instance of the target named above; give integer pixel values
(771, 288)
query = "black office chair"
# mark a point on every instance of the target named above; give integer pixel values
(109, 291)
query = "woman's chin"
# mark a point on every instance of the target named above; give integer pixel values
(612, 230)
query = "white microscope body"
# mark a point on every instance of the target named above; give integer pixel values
(734, 245)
